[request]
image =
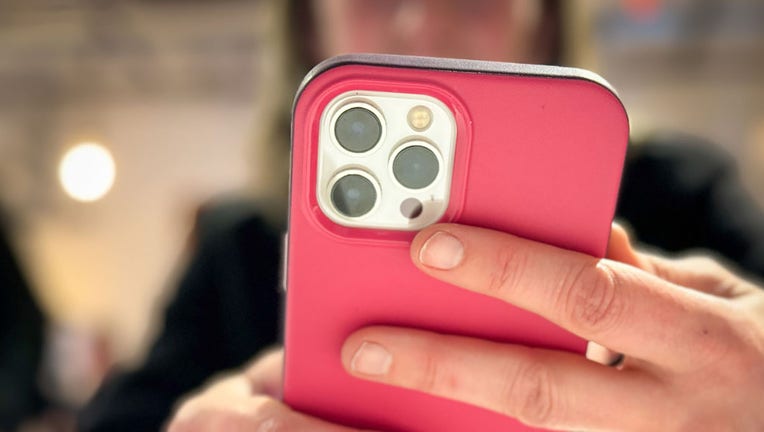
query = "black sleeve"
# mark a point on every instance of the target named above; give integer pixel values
(681, 193)
(22, 332)
(226, 309)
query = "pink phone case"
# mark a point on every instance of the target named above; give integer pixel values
(539, 153)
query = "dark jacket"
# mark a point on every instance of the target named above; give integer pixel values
(677, 194)
(22, 335)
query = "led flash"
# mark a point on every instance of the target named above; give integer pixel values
(419, 118)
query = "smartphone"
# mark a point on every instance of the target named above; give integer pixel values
(383, 146)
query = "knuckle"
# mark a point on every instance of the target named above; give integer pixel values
(707, 264)
(711, 275)
(436, 375)
(428, 378)
(530, 396)
(593, 302)
(271, 425)
(508, 269)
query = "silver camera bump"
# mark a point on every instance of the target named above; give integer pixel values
(385, 160)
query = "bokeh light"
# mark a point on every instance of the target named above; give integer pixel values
(87, 172)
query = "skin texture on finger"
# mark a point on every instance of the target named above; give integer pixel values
(695, 272)
(611, 303)
(704, 274)
(700, 273)
(619, 249)
(543, 388)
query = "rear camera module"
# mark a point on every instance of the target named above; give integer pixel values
(380, 161)
(416, 167)
(353, 195)
(358, 129)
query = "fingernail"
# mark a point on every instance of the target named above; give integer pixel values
(442, 251)
(371, 359)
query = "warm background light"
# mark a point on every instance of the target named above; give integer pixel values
(87, 172)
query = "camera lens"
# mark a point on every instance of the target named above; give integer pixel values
(415, 167)
(353, 195)
(358, 130)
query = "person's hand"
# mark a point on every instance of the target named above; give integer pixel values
(246, 401)
(692, 334)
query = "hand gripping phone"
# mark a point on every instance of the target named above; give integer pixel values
(385, 145)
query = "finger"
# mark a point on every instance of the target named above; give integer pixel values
(265, 373)
(619, 247)
(700, 273)
(613, 304)
(542, 388)
(258, 413)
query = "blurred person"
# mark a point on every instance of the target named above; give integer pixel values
(22, 336)
(31, 399)
(692, 331)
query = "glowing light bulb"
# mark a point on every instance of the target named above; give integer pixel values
(87, 172)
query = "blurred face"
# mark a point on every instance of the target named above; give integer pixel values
(502, 30)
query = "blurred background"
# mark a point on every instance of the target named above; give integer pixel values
(120, 119)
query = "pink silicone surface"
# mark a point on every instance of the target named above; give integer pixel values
(538, 157)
